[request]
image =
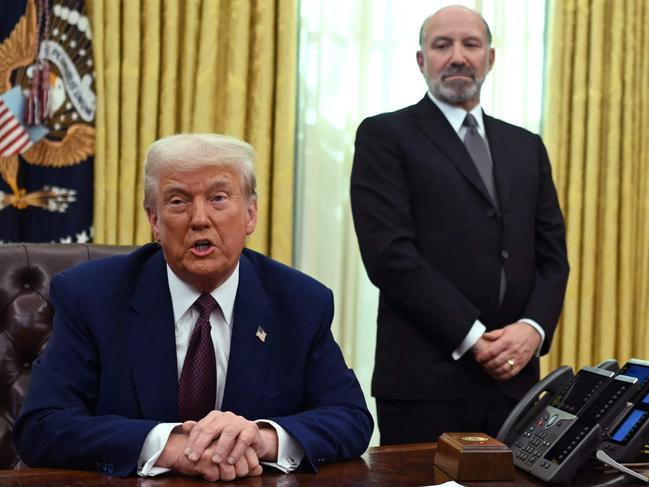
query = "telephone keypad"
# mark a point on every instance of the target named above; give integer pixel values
(534, 442)
(533, 458)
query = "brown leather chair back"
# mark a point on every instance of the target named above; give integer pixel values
(26, 319)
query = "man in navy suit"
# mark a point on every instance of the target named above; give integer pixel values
(192, 354)
(460, 229)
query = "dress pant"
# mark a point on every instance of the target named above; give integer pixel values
(401, 421)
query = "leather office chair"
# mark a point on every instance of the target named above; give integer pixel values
(26, 319)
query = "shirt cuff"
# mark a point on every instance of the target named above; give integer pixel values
(154, 444)
(538, 328)
(289, 452)
(471, 338)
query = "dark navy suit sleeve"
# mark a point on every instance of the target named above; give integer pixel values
(58, 425)
(335, 423)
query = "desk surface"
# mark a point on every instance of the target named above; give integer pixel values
(407, 465)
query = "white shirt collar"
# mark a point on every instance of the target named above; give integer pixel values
(183, 295)
(456, 115)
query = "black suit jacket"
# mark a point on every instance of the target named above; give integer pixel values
(434, 244)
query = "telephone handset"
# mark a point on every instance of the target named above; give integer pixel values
(532, 403)
(561, 431)
(609, 364)
(630, 432)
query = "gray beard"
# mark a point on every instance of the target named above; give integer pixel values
(455, 94)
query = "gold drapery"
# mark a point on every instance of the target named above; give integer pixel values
(597, 133)
(171, 66)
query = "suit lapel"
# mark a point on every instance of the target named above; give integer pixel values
(432, 122)
(248, 354)
(503, 163)
(151, 343)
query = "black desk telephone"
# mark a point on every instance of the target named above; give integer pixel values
(562, 420)
(630, 433)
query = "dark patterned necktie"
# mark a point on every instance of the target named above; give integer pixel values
(477, 147)
(197, 385)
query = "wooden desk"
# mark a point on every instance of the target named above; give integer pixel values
(398, 466)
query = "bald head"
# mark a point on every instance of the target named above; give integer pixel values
(440, 14)
(455, 55)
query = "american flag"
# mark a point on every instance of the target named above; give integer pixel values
(261, 334)
(14, 139)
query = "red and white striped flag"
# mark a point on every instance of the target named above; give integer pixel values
(14, 139)
(261, 334)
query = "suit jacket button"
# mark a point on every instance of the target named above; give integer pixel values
(491, 213)
(505, 254)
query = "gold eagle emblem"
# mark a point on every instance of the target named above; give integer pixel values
(69, 140)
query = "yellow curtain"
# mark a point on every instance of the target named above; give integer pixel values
(170, 66)
(597, 133)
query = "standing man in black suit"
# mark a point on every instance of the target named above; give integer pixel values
(460, 228)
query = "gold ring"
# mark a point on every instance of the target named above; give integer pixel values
(512, 363)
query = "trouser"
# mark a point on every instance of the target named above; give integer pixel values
(400, 421)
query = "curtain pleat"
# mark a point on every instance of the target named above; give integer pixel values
(284, 128)
(170, 66)
(596, 130)
(149, 106)
(128, 203)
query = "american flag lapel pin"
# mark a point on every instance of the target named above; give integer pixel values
(261, 334)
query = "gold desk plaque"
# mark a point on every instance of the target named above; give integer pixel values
(474, 456)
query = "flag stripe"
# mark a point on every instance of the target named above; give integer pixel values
(8, 117)
(17, 146)
(13, 137)
(26, 145)
(7, 128)
(10, 133)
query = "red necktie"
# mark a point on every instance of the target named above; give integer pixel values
(197, 385)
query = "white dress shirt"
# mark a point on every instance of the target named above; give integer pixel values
(455, 116)
(183, 296)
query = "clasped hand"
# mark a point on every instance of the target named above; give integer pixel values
(221, 446)
(504, 352)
